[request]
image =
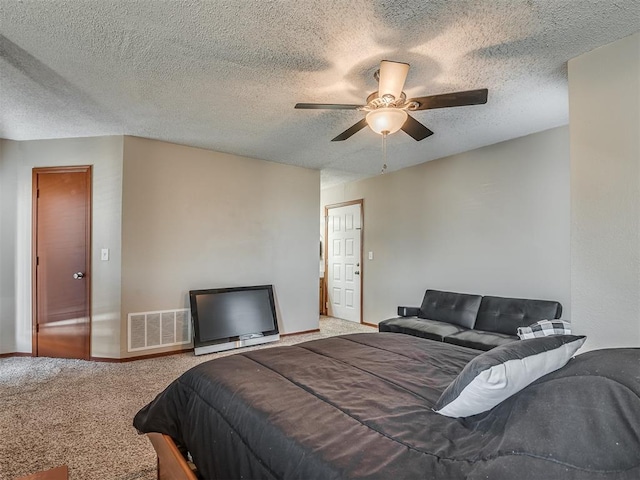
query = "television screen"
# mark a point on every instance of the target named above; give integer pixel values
(229, 314)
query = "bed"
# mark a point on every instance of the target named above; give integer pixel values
(361, 406)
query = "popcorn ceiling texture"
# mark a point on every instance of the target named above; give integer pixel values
(71, 412)
(226, 75)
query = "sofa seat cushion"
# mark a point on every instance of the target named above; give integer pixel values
(479, 339)
(420, 327)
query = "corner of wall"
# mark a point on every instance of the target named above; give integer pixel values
(8, 219)
(604, 84)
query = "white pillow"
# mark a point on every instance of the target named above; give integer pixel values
(544, 328)
(495, 375)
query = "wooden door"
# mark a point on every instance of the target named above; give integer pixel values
(344, 257)
(61, 263)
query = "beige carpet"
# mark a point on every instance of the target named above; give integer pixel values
(55, 412)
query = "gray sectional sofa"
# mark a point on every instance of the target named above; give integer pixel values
(469, 320)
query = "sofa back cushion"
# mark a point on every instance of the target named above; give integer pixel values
(505, 315)
(457, 308)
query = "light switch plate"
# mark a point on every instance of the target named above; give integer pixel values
(104, 254)
(370, 255)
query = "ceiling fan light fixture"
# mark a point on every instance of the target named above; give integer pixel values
(392, 78)
(386, 120)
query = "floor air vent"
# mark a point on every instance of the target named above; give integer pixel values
(148, 330)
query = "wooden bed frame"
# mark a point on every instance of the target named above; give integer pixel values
(171, 464)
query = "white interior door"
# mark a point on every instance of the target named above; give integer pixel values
(344, 229)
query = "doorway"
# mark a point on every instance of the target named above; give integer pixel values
(343, 264)
(61, 262)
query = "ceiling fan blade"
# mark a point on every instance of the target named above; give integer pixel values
(351, 130)
(455, 99)
(392, 77)
(415, 129)
(328, 106)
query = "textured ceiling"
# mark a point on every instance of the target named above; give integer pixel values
(225, 75)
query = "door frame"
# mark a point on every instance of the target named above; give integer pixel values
(88, 170)
(360, 202)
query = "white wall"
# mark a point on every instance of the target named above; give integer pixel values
(16, 164)
(491, 221)
(196, 219)
(604, 108)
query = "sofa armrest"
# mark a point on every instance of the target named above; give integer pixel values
(408, 311)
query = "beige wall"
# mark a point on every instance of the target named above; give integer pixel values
(16, 164)
(8, 226)
(193, 219)
(604, 107)
(198, 219)
(490, 221)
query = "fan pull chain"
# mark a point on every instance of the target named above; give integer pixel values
(384, 152)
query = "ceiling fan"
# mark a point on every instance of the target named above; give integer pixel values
(387, 108)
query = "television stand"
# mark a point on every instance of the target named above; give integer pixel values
(243, 341)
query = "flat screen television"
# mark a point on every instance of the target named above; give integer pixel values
(226, 318)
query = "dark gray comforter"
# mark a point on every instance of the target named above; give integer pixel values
(359, 406)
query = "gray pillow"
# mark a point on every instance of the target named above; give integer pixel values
(494, 376)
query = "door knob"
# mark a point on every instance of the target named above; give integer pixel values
(78, 275)
(357, 272)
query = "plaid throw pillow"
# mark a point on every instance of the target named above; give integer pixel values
(544, 328)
